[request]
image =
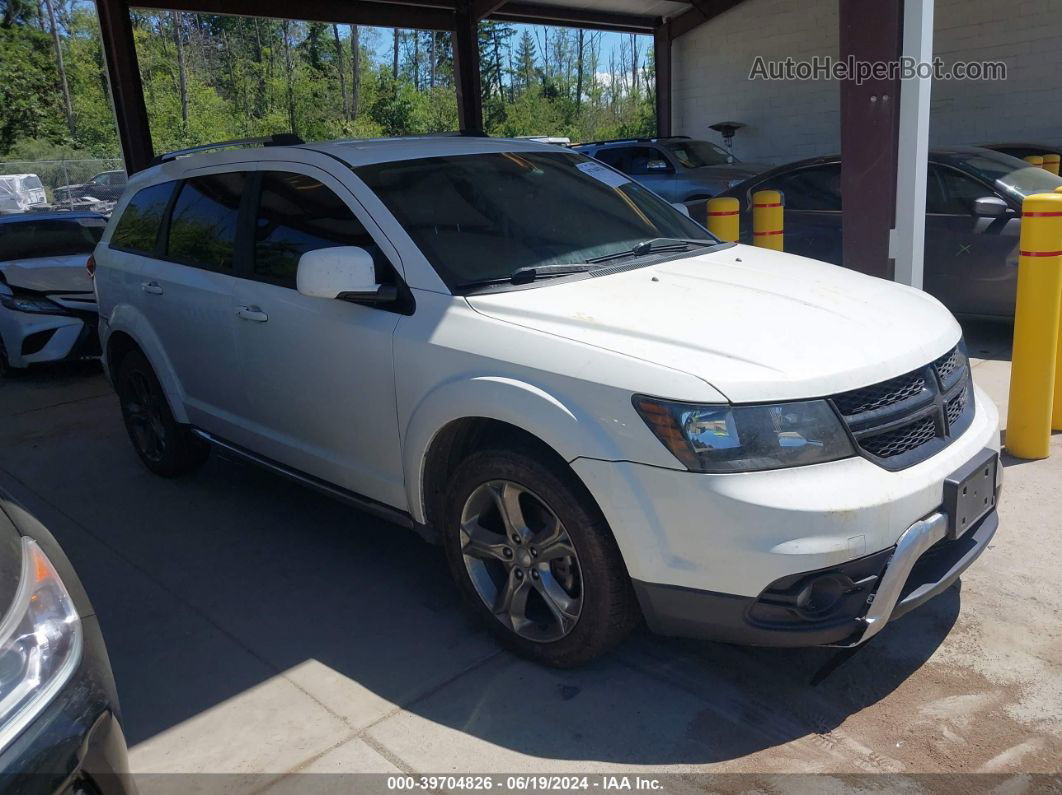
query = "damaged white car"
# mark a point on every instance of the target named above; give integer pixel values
(47, 304)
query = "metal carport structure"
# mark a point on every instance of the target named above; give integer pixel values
(884, 193)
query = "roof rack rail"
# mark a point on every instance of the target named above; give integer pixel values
(277, 139)
(643, 140)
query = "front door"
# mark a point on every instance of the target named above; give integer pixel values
(971, 262)
(318, 374)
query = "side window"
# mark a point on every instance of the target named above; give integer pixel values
(949, 192)
(203, 224)
(296, 214)
(817, 188)
(138, 228)
(612, 157)
(642, 160)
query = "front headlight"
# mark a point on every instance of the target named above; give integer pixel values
(40, 643)
(746, 438)
(35, 304)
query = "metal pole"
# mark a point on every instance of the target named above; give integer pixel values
(907, 242)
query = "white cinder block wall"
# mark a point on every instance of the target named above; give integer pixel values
(792, 120)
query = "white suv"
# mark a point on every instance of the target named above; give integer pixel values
(601, 412)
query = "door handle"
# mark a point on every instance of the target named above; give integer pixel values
(252, 313)
(154, 288)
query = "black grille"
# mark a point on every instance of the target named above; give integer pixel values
(909, 418)
(956, 406)
(871, 398)
(947, 366)
(901, 440)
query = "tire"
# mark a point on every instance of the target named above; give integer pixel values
(558, 609)
(165, 446)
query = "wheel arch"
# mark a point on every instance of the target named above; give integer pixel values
(128, 330)
(464, 416)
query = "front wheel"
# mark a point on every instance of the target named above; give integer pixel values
(534, 556)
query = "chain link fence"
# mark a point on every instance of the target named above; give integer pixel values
(38, 185)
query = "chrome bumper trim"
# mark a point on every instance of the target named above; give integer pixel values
(912, 544)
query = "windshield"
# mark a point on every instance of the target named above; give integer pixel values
(49, 238)
(32, 182)
(694, 154)
(1014, 176)
(483, 216)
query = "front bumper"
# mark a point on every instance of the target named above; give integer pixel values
(34, 338)
(76, 743)
(921, 565)
(703, 548)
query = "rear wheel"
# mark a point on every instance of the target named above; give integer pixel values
(534, 556)
(165, 446)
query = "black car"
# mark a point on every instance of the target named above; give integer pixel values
(60, 730)
(973, 217)
(105, 186)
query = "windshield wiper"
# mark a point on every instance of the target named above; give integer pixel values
(657, 244)
(533, 272)
(528, 274)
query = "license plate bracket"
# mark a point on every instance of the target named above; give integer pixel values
(970, 493)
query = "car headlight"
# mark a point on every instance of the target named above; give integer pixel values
(36, 304)
(40, 643)
(746, 438)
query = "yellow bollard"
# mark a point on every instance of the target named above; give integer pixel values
(1051, 162)
(767, 214)
(724, 218)
(1035, 160)
(1036, 326)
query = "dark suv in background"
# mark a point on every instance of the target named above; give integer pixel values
(678, 168)
(105, 186)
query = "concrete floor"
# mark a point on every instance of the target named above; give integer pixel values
(258, 629)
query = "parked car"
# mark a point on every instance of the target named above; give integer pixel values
(599, 410)
(1022, 151)
(678, 168)
(973, 217)
(60, 725)
(21, 193)
(47, 304)
(105, 186)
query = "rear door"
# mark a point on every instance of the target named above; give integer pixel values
(971, 263)
(187, 294)
(317, 373)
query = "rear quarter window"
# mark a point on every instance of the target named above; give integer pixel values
(138, 228)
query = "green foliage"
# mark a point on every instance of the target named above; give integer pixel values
(211, 78)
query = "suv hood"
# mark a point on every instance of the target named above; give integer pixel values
(49, 274)
(732, 171)
(755, 324)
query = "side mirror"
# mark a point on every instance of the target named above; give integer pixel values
(344, 272)
(990, 207)
(682, 208)
(657, 165)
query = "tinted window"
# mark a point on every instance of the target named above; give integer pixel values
(695, 154)
(203, 224)
(634, 160)
(297, 214)
(948, 192)
(482, 216)
(49, 238)
(139, 225)
(814, 188)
